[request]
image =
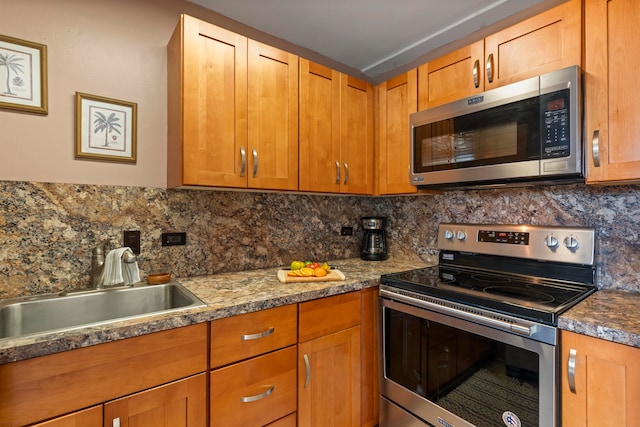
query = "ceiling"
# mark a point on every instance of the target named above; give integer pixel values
(372, 36)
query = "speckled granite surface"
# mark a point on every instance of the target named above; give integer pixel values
(608, 314)
(225, 294)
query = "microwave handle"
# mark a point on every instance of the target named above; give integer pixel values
(490, 68)
(476, 73)
(595, 148)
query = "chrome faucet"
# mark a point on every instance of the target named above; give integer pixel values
(98, 256)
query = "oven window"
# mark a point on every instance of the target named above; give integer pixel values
(479, 379)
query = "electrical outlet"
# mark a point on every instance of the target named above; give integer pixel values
(132, 240)
(346, 231)
(174, 239)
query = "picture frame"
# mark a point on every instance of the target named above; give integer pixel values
(106, 128)
(23, 75)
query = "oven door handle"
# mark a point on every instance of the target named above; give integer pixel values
(478, 318)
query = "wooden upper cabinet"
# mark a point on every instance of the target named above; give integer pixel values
(546, 42)
(543, 43)
(336, 131)
(612, 128)
(606, 382)
(233, 110)
(207, 106)
(320, 165)
(356, 136)
(272, 118)
(396, 99)
(450, 77)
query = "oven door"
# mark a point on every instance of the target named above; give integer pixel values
(437, 369)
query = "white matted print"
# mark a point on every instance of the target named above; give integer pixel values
(105, 128)
(23, 75)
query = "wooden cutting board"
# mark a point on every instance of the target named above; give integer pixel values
(332, 276)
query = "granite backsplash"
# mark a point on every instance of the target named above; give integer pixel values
(47, 230)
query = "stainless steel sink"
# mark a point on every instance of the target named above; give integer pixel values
(42, 314)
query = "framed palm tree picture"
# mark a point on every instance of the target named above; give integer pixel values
(105, 128)
(23, 75)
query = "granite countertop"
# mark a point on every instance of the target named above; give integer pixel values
(607, 314)
(611, 315)
(224, 294)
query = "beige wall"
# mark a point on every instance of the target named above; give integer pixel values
(110, 48)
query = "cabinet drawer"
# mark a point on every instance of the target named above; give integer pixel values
(241, 337)
(328, 315)
(288, 421)
(254, 392)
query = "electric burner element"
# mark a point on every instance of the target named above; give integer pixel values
(548, 271)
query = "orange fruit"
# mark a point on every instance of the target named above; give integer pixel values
(306, 272)
(319, 272)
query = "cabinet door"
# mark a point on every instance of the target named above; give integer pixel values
(320, 166)
(91, 417)
(397, 99)
(329, 380)
(179, 404)
(612, 128)
(451, 77)
(607, 382)
(272, 118)
(356, 140)
(207, 80)
(546, 42)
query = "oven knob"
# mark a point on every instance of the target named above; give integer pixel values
(461, 235)
(571, 243)
(448, 234)
(551, 242)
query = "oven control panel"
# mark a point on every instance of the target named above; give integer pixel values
(548, 243)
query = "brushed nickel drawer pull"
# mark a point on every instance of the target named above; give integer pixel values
(595, 148)
(337, 172)
(307, 365)
(247, 399)
(490, 68)
(571, 370)
(476, 76)
(258, 335)
(243, 165)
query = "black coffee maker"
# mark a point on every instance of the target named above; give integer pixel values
(374, 244)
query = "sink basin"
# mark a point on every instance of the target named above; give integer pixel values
(42, 314)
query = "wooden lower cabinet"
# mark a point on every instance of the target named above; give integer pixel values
(329, 361)
(288, 421)
(254, 392)
(606, 390)
(91, 417)
(179, 404)
(329, 380)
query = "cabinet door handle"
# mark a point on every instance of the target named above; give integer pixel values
(258, 335)
(595, 148)
(476, 73)
(307, 366)
(346, 173)
(255, 162)
(490, 68)
(571, 370)
(243, 164)
(337, 172)
(247, 399)
(115, 422)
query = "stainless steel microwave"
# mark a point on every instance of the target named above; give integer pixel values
(529, 132)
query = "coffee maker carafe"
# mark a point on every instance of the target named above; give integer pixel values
(374, 245)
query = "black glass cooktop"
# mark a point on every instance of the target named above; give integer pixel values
(534, 298)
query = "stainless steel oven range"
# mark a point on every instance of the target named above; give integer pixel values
(473, 341)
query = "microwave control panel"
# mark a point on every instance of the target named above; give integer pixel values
(555, 124)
